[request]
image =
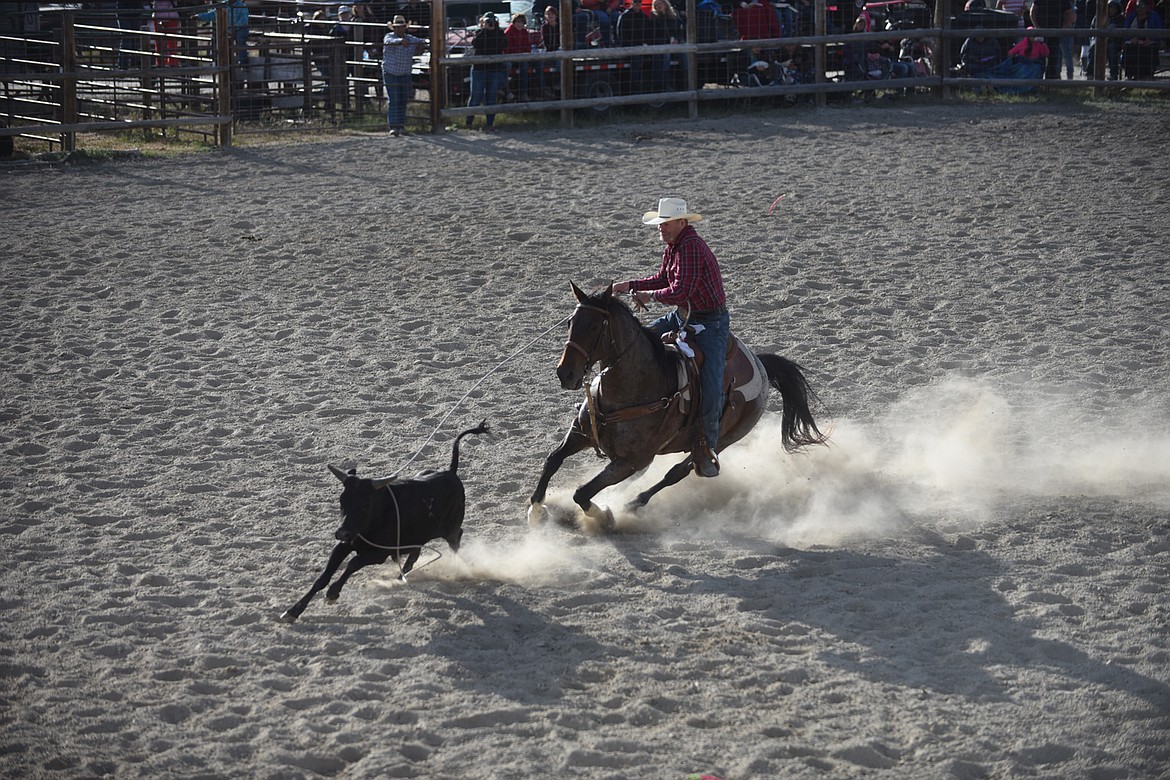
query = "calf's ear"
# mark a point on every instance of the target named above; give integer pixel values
(338, 472)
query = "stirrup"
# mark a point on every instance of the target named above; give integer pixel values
(705, 460)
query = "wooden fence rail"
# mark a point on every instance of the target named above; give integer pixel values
(79, 81)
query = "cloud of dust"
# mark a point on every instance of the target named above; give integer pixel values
(533, 560)
(948, 452)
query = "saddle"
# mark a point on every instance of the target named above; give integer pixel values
(742, 380)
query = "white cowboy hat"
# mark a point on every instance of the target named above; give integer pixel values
(668, 209)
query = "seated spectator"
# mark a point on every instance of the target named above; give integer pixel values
(1114, 20)
(605, 13)
(1140, 53)
(979, 54)
(1030, 47)
(754, 22)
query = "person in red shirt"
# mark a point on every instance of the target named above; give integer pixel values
(519, 42)
(690, 280)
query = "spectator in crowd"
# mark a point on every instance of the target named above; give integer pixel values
(343, 27)
(129, 17)
(1066, 41)
(550, 40)
(754, 22)
(487, 79)
(1017, 7)
(1114, 20)
(519, 42)
(398, 50)
(605, 13)
(1053, 14)
(164, 19)
(1141, 53)
(416, 13)
(1030, 47)
(634, 30)
(979, 53)
(662, 28)
(238, 20)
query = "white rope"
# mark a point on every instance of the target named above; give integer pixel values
(389, 488)
(472, 389)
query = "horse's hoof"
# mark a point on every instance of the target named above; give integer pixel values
(602, 517)
(332, 599)
(288, 617)
(537, 515)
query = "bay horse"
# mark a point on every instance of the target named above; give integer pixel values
(637, 405)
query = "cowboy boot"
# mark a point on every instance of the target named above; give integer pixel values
(705, 460)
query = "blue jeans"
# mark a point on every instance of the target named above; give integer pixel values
(713, 341)
(485, 85)
(397, 93)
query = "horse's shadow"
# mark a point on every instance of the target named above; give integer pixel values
(907, 622)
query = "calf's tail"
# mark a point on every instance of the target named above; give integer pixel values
(481, 428)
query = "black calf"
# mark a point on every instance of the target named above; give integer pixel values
(385, 518)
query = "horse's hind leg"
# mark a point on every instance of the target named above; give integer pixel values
(617, 471)
(674, 476)
(574, 442)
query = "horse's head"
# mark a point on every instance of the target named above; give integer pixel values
(589, 337)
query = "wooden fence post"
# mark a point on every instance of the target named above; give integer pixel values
(223, 61)
(692, 61)
(69, 80)
(941, 56)
(819, 63)
(438, 85)
(568, 43)
(1100, 49)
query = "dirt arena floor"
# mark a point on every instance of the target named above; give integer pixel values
(970, 581)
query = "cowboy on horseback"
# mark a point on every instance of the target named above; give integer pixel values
(690, 280)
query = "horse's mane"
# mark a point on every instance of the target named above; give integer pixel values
(617, 307)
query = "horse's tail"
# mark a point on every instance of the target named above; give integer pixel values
(797, 427)
(481, 428)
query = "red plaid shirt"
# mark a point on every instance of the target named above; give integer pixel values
(689, 276)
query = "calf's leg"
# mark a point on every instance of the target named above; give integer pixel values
(360, 561)
(335, 558)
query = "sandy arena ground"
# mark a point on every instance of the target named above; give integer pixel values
(970, 582)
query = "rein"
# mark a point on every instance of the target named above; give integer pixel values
(624, 414)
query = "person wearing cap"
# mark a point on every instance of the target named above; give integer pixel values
(1140, 54)
(487, 79)
(690, 280)
(398, 50)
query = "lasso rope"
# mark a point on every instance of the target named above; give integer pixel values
(389, 489)
(471, 390)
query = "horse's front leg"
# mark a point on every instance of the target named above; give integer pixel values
(617, 471)
(575, 441)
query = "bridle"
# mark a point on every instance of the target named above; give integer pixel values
(624, 414)
(589, 354)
